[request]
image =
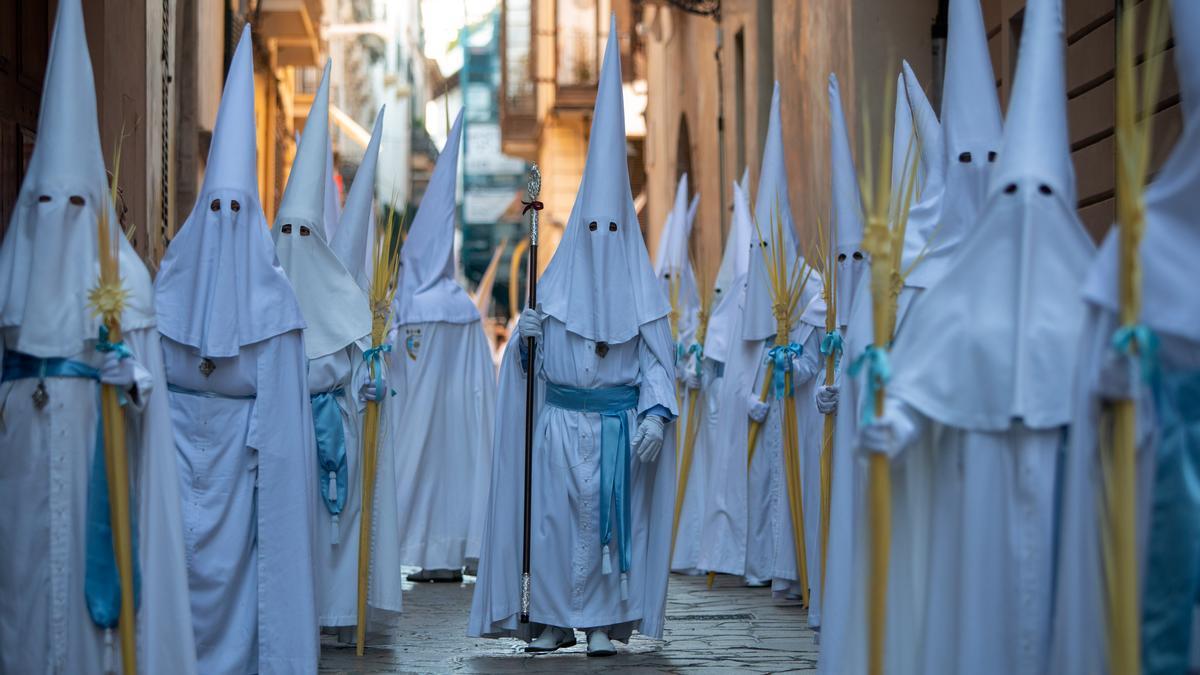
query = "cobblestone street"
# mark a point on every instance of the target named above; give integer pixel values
(727, 629)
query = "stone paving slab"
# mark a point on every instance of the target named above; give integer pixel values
(729, 628)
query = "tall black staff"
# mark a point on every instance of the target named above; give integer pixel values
(531, 207)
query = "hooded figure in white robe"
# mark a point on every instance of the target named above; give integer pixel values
(850, 267)
(771, 551)
(234, 349)
(673, 266)
(603, 486)
(336, 335)
(917, 137)
(1164, 382)
(721, 439)
(445, 380)
(981, 382)
(357, 228)
(59, 588)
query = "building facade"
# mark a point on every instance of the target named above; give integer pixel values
(708, 78)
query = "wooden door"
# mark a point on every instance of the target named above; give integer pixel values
(24, 45)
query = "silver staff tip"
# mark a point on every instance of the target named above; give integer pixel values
(535, 181)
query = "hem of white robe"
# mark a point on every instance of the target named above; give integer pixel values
(344, 620)
(620, 631)
(443, 557)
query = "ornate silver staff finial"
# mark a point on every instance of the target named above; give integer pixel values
(533, 189)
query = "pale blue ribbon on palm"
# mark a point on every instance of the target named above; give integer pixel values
(331, 453)
(613, 404)
(1147, 346)
(680, 351)
(698, 350)
(102, 581)
(781, 358)
(879, 371)
(374, 359)
(832, 343)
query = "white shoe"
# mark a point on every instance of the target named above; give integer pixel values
(600, 645)
(551, 639)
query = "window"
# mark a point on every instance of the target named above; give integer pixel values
(518, 69)
(582, 32)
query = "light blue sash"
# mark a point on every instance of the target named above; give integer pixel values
(331, 452)
(176, 389)
(102, 582)
(1172, 580)
(612, 404)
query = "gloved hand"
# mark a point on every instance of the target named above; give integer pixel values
(691, 380)
(117, 371)
(756, 408)
(648, 439)
(369, 392)
(827, 399)
(530, 324)
(1119, 376)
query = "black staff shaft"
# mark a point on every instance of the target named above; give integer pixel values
(529, 404)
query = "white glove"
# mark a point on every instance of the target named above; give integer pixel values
(827, 400)
(756, 408)
(369, 392)
(1119, 376)
(648, 439)
(691, 380)
(879, 436)
(530, 324)
(117, 371)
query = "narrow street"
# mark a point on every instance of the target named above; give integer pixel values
(727, 629)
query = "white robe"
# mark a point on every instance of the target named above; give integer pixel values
(972, 545)
(724, 532)
(247, 471)
(842, 602)
(568, 587)
(1080, 625)
(689, 540)
(771, 550)
(44, 486)
(441, 435)
(337, 560)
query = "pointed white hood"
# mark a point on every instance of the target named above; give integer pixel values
(428, 289)
(666, 256)
(846, 207)
(730, 290)
(673, 265)
(994, 339)
(772, 202)
(1171, 243)
(350, 243)
(925, 213)
(972, 130)
(49, 259)
(600, 282)
(335, 308)
(333, 210)
(220, 287)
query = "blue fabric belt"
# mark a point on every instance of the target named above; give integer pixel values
(612, 404)
(102, 582)
(176, 389)
(331, 452)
